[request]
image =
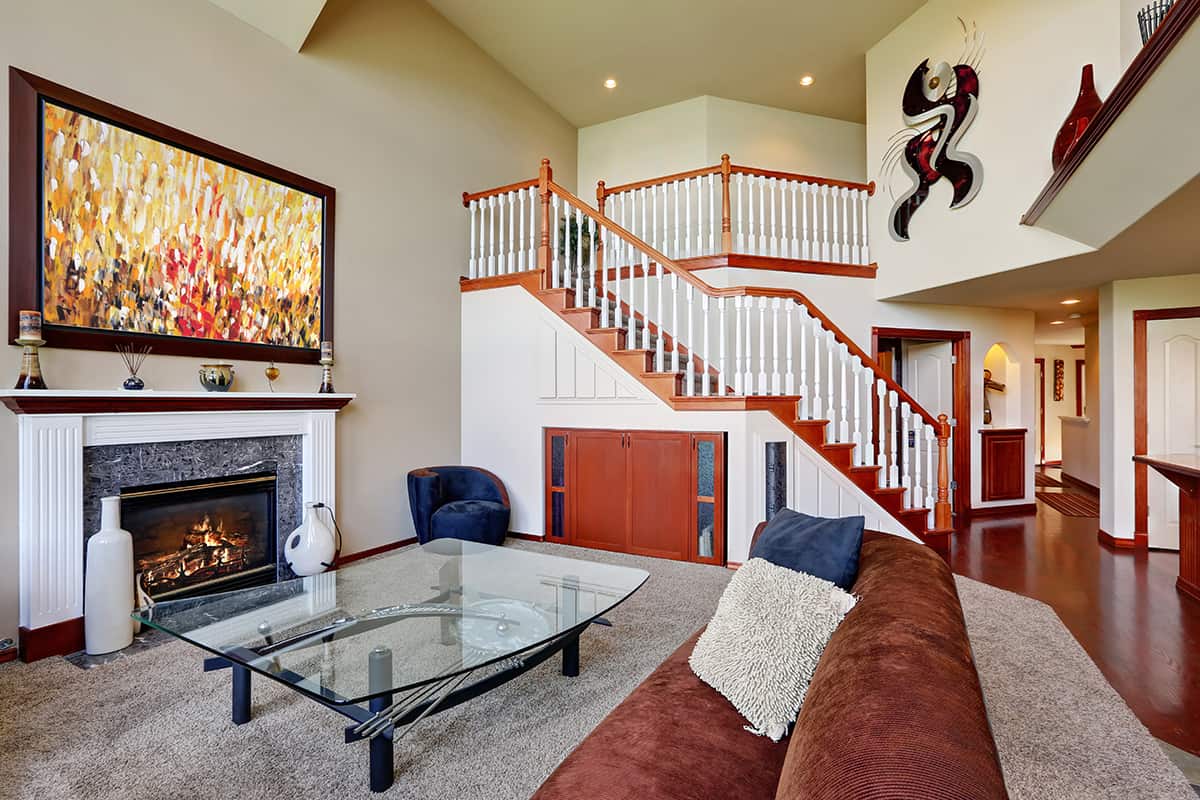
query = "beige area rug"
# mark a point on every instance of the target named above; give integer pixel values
(1062, 731)
(152, 726)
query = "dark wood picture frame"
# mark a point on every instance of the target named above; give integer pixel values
(26, 94)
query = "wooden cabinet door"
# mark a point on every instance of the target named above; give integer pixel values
(599, 491)
(661, 494)
(1003, 464)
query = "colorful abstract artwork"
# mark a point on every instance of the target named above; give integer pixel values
(938, 106)
(146, 237)
(1059, 376)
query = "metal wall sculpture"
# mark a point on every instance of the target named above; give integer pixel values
(939, 105)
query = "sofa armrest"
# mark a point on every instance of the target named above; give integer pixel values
(424, 498)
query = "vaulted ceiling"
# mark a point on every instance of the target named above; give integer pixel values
(286, 21)
(663, 51)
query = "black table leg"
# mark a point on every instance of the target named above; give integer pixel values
(570, 664)
(383, 754)
(241, 695)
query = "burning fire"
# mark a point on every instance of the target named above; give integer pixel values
(206, 550)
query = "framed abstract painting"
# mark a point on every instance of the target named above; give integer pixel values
(123, 230)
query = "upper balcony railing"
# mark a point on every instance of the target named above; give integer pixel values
(727, 209)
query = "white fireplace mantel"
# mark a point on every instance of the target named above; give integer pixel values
(55, 426)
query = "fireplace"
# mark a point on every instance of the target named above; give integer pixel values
(202, 536)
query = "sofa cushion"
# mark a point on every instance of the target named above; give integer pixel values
(826, 548)
(471, 520)
(895, 708)
(764, 642)
(673, 737)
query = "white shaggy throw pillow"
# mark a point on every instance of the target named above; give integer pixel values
(762, 647)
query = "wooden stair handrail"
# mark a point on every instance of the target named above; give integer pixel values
(512, 187)
(604, 191)
(677, 176)
(869, 188)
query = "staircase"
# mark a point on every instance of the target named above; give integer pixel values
(698, 347)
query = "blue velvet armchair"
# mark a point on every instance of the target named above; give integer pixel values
(466, 503)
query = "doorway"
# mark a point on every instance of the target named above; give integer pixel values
(934, 367)
(1039, 433)
(1166, 366)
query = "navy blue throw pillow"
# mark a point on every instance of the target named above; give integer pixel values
(827, 548)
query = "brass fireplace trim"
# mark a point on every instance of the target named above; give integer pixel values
(195, 486)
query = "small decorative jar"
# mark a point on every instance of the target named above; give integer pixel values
(216, 377)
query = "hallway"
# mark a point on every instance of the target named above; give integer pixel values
(1120, 605)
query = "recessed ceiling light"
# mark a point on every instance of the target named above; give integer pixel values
(1070, 301)
(1057, 322)
(806, 80)
(1074, 316)
(611, 83)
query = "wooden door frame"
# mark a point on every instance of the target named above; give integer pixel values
(1040, 363)
(961, 402)
(1080, 363)
(1141, 424)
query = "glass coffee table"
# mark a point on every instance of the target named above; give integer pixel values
(390, 640)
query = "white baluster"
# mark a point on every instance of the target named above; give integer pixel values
(762, 216)
(689, 378)
(579, 298)
(868, 438)
(905, 458)
(616, 256)
(893, 464)
(847, 249)
(806, 250)
(774, 236)
(817, 331)
(844, 422)
(492, 235)
(591, 273)
(675, 251)
(687, 225)
(738, 217)
(568, 276)
(789, 385)
(752, 239)
(705, 390)
(666, 205)
(881, 432)
(713, 221)
(856, 244)
(795, 251)
(866, 251)
(654, 217)
(609, 242)
(631, 340)
(676, 351)
(776, 381)
(918, 492)
(738, 370)
(512, 232)
(721, 373)
(805, 322)
(646, 282)
(659, 343)
(554, 267)
(749, 384)
(472, 268)
(830, 409)
(856, 434)
(533, 204)
(931, 479)
(520, 242)
(481, 268)
(824, 222)
(763, 386)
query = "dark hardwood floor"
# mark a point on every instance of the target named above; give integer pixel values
(1120, 605)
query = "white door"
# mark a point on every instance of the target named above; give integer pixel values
(1172, 415)
(928, 375)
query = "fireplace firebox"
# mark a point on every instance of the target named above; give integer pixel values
(203, 536)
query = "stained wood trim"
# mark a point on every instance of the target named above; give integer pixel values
(773, 264)
(42, 402)
(1177, 22)
(1040, 363)
(467, 197)
(1140, 541)
(1141, 429)
(528, 537)
(24, 249)
(529, 278)
(59, 639)
(1013, 510)
(1071, 480)
(350, 558)
(9, 654)
(607, 191)
(961, 401)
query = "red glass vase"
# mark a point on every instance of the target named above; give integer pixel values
(1085, 108)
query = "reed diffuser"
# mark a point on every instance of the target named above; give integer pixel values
(133, 359)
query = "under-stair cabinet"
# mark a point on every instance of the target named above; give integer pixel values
(651, 493)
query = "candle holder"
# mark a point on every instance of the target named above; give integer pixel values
(31, 367)
(326, 363)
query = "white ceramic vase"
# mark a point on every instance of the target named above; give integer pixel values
(310, 549)
(108, 591)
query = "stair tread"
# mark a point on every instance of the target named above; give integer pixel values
(889, 490)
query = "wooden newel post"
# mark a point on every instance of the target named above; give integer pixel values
(545, 175)
(942, 519)
(726, 226)
(600, 198)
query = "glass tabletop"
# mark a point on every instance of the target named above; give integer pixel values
(442, 609)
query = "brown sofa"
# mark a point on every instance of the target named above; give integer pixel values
(894, 711)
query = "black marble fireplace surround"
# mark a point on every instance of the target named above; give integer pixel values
(109, 468)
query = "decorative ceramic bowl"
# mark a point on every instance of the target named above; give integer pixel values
(216, 377)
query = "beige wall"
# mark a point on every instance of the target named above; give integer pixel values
(1059, 408)
(389, 104)
(695, 133)
(1029, 79)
